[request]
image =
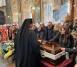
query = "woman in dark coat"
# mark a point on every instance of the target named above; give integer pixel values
(27, 51)
(66, 39)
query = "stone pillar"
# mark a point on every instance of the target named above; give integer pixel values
(42, 11)
(75, 9)
(8, 12)
(25, 9)
(71, 14)
(14, 7)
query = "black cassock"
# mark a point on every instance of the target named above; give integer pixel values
(27, 50)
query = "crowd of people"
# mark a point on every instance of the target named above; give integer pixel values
(7, 32)
(57, 33)
(29, 33)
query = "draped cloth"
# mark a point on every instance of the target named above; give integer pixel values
(27, 51)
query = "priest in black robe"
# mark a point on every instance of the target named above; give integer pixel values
(27, 50)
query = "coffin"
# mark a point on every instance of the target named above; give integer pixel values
(52, 52)
(52, 48)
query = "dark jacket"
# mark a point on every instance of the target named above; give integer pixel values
(48, 34)
(56, 35)
(66, 42)
(41, 34)
(27, 51)
(52, 35)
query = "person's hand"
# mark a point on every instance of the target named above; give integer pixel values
(75, 65)
(44, 42)
(39, 41)
(63, 49)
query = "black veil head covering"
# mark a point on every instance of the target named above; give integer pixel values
(25, 26)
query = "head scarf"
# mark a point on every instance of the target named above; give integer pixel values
(25, 26)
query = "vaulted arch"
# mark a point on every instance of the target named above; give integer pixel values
(2, 18)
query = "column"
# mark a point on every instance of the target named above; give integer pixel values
(71, 14)
(75, 9)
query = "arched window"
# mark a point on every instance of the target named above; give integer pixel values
(2, 18)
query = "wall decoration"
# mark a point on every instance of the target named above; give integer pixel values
(2, 3)
(59, 14)
(48, 13)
